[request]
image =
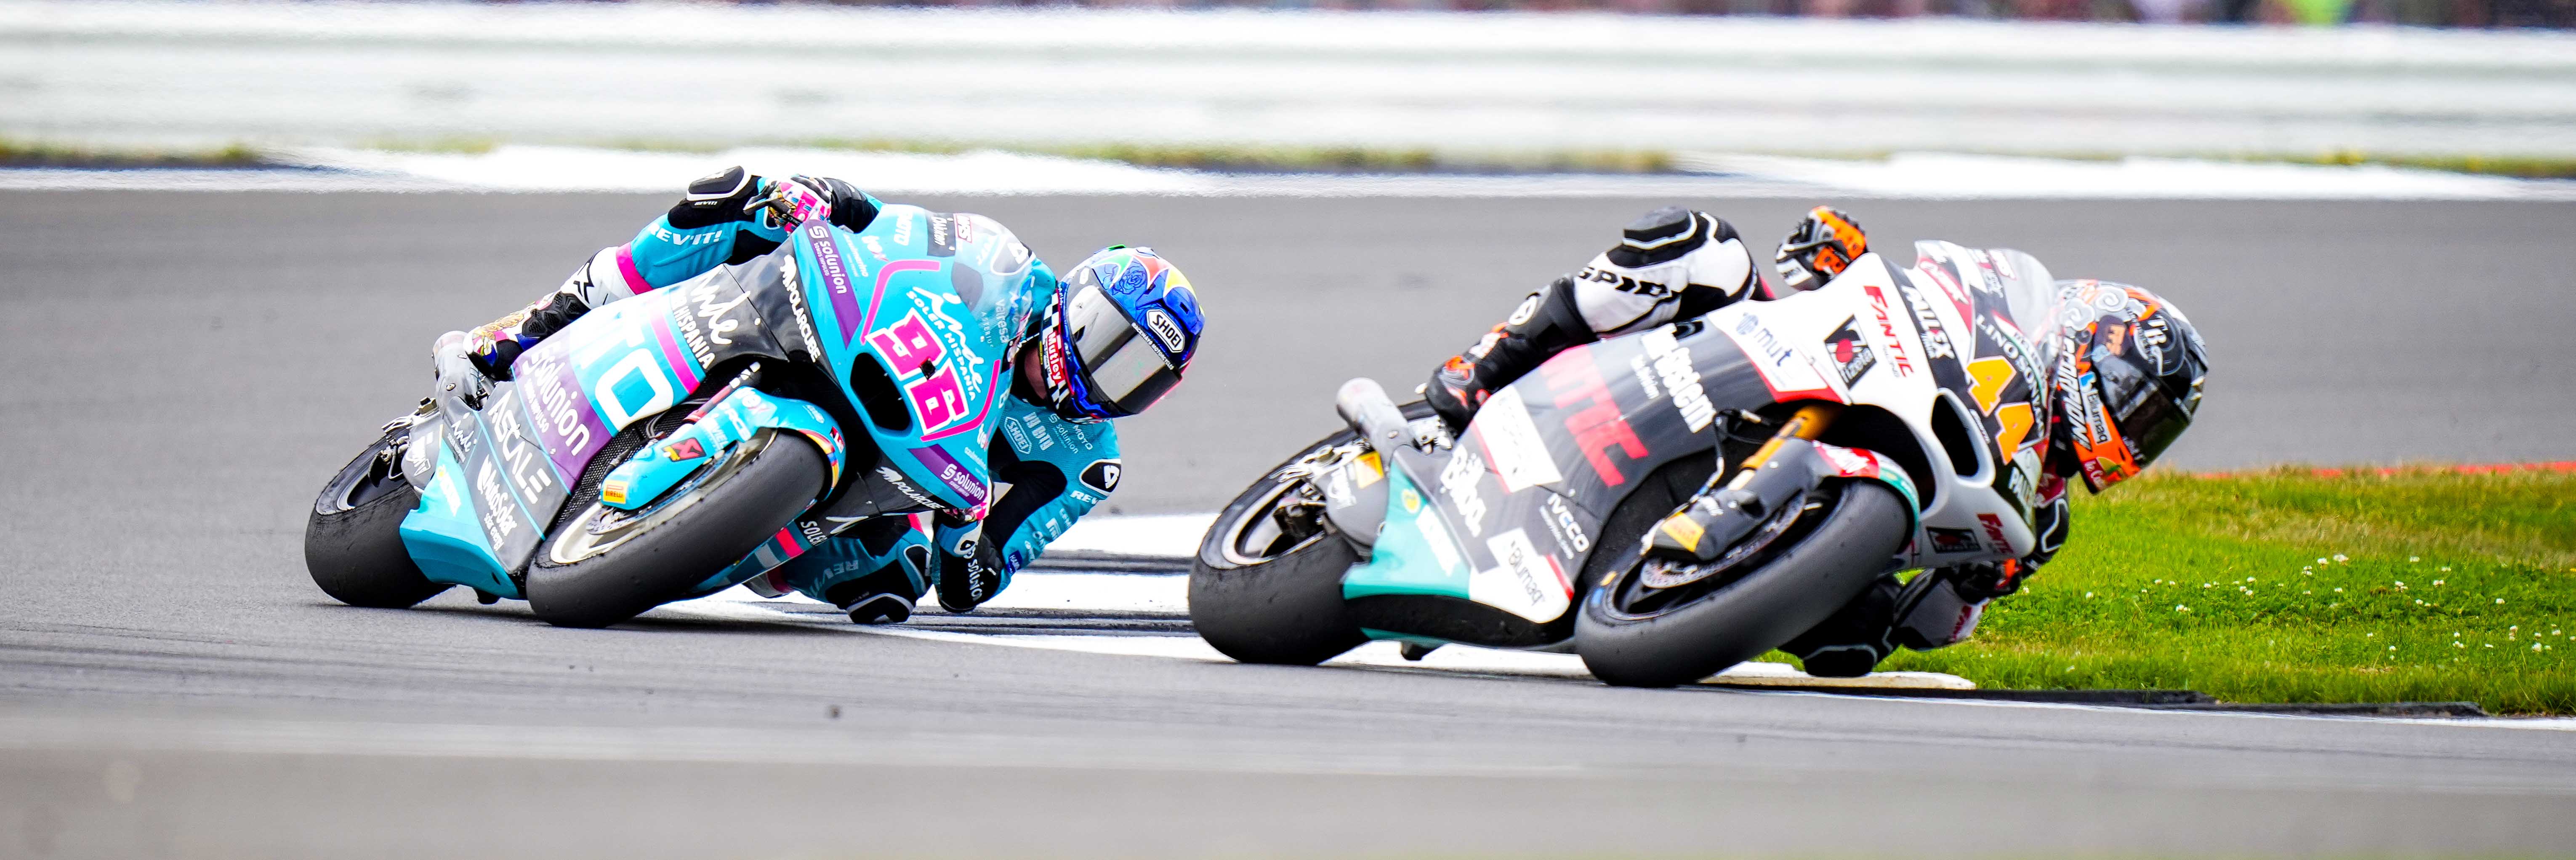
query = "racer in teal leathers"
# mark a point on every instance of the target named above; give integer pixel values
(1107, 342)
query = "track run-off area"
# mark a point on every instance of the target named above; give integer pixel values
(185, 368)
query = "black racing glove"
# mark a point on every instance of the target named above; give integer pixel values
(970, 571)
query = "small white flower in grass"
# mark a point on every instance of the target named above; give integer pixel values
(2340, 558)
(2458, 645)
(2181, 608)
(2499, 601)
(2490, 645)
(2368, 635)
(2307, 592)
(2443, 569)
(2419, 602)
(2392, 647)
(2338, 591)
(2088, 595)
(2535, 646)
(2437, 583)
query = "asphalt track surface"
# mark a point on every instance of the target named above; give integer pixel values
(183, 370)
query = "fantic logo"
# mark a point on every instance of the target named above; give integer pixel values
(1887, 329)
(1168, 331)
(1995, 532)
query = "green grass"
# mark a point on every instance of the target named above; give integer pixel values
(2289, 586)
(36, 153)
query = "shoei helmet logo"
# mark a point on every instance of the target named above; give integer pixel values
(1167, 330)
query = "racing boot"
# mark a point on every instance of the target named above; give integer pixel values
(1672, 263)
(1850, 642)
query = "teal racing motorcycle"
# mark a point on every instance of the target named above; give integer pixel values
(676, 443)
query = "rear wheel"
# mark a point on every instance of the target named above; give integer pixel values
(353, 541)
(603, 565)
(1657, 625)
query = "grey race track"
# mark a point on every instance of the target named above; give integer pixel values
(182, 370)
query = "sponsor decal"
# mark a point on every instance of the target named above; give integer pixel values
(1366, 469)
(2012, 425)
(1412, 501)
(1995, 532)
(613, 492)
(1562, 525)
(1444, 549)
(1458, 481)
(1592, 417)
(1850, 353)
(1788, 373)
(1939, 274)
(903, 228)
(941, 243)
(1512, 444)
(896, 479)
(1623, 283)
(796, 304)
(1019, 440)
(1987, 378)
(1936, 337)
(513, 444)
(1167, 331)
(875, 248)
(835, 272)
(684, 450)
(1894, 343)
(1848, 462)
(1524, 581)
(1684, 531)
(1102, 475)
(686, 240)
(954, 474)
(2010, 344)
(937, 391)
(500, 512)
(1645, 373)
(1952, 541)
(1673, 365)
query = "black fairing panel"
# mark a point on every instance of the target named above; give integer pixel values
(1607, 418)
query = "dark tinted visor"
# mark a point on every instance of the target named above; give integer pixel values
(2149, 417)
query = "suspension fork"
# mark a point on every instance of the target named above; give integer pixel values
(1810, 422)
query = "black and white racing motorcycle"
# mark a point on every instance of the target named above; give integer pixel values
(1884, 421)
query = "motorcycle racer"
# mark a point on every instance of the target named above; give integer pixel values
(2125, 369)
(1106, 342)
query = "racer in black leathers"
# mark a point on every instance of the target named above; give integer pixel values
(2111, 409)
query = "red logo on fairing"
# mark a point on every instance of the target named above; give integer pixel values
(1598, 426)
(1887, 326)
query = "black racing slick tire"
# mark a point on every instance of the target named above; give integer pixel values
(1850, 545)
(603, 566)
(1261, 592)
(353, 542)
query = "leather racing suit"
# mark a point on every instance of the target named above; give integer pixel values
(1675, 264)
(1050, 471)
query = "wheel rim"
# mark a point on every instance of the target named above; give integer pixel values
(1260, 534)
(1642, 591)
(600, 528)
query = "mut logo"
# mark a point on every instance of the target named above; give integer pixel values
(1168, 331)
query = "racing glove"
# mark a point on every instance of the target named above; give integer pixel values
(970, 572)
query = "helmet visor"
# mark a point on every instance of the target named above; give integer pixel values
(1122, 372)
(2149, 417)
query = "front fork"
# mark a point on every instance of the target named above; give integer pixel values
(1714, 518)
(731, 416)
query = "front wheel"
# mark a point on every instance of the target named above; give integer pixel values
(1267, 584)
(353, 541)
(1652, 627)
(605, 565)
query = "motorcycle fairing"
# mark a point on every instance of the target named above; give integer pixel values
(928, 299)
(1518, 508)
(445, 535)
(517, 455)
(654, 469)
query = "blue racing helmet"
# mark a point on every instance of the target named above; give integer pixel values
(1119, 334)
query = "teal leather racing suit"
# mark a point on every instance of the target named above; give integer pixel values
(1049, 470)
